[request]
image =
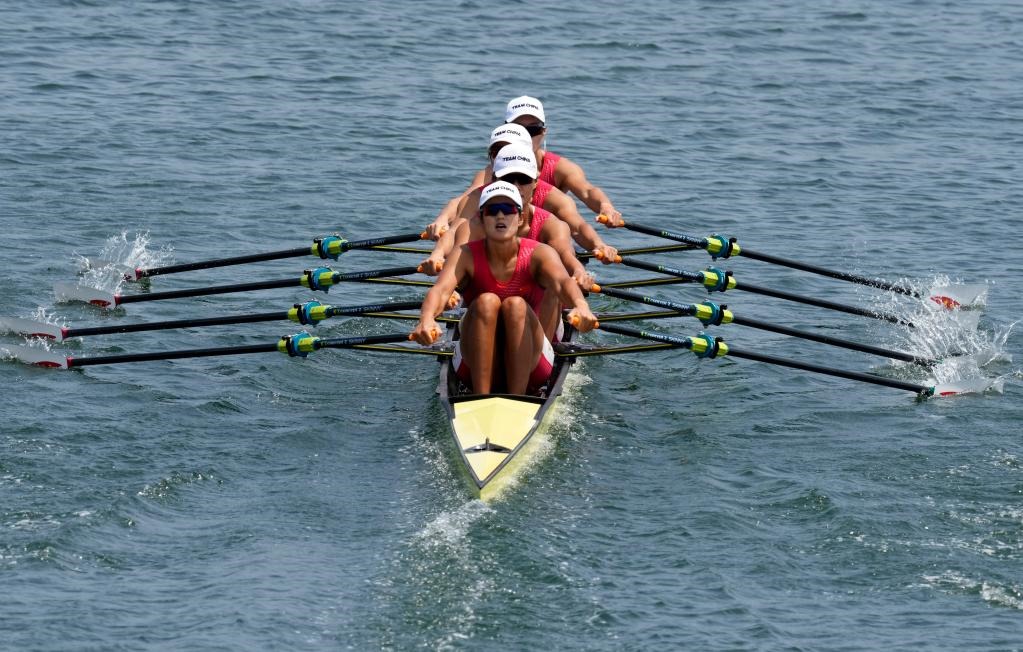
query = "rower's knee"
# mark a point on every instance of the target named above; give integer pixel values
(514, 308)
(486, 305)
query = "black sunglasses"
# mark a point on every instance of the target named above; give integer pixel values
(491, 210)
(517, 178)
(535, 130)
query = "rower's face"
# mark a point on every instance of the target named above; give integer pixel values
(525, 184)
(500, 218)
(534, 126)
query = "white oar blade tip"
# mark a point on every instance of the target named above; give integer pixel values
(35, 356)
(67, 292)
(969, 386)
(957, 296)
(30, 328)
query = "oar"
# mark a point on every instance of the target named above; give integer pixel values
(950, 297)
(716, 280)
(707, 346)
(310, 312)
(300, 344)
(321, 278)
(326, 247)
(711, 314)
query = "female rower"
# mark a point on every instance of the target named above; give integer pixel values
(502, 345)
(557, 170)
(518, 160)
(514, 164)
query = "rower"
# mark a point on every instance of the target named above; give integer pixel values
(515, 164)
(555, 169)
(502, 344)
(503, 134)
(546, 196)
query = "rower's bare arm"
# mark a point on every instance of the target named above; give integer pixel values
(436, 301)
(442, 249)
(574, 180)
(440, 224)
(582, 232)
(548, 269)
(557, 235)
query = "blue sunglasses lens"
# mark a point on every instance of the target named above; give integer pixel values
(493, 209)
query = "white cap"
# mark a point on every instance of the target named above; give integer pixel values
(501, 189)
(524, 105)
(510, 133)
(516, 157)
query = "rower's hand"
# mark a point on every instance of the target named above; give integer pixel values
(606, 254)
(454, 300)
(584, 279)
(612, 217)
(432, 266)
(436, 228)
(582, 319)
(426, 332)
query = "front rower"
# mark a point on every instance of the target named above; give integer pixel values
(502, 346)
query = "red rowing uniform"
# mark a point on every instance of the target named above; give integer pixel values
(540, 193)
(521, 284)
(550, 161)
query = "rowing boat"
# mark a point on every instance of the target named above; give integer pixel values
(497, 434)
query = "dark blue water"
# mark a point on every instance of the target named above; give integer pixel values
(261, 502)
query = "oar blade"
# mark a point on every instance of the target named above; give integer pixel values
(70, 292)
(35, 356)
(969, 386)
(30, 328)
(959, 295)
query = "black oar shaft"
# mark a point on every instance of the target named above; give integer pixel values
(829, 371)
(689, 309)
(318, 343)
(260, 285)
(769, 359)
(176, 323)
(822, 303)
(172, 355)
(823, 271)
(832, 341)
(778, 260)
(223, 262)
(275, 255)
(697, 277)
(332, 311)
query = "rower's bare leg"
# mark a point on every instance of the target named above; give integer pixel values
(523, 342)
(550, 314)
(478, 340)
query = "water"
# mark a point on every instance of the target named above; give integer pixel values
(258, 502)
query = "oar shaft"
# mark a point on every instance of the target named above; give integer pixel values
(831, 273)
(337, 277)
(683, 309)
(331, 311)
(222, 262)
(778, 260)
(829, 371)
(769, 359)
(832, 341)
(275, 255)
(172, 355)
(823, 303)
(176, 323)
(696, 277)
